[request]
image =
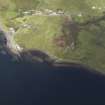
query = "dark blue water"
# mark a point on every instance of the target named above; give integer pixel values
(25, 83)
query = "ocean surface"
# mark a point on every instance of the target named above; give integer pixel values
(24, 83)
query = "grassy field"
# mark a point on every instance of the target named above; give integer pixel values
(90, 40)
(55, 34)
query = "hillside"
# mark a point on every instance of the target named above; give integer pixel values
(68, 30)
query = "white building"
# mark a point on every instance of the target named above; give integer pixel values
(93, 7)
(27, 26)
(60, 12)
(38, 13)
(80, 15)
(100, 8)
(48, 10)
(54, 14)
(26, 12)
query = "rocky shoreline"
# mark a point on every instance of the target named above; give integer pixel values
(19, 54)
(10, 47)
(44, 58)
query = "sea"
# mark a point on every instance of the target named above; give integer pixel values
(25, 83)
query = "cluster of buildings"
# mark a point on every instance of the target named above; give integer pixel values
(43, 12)
(97, 8)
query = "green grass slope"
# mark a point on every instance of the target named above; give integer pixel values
(78, 36)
